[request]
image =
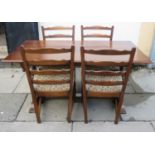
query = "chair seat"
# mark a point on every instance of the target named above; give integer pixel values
(52, 87)
(106, 89)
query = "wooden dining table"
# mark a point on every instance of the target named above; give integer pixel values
(139, 59)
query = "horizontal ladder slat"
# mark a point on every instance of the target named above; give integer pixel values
(96, 36)
(105, 63)
(102, 94)
(49, 63)
(58, 36)
(106, 73)
(104, 83)
(49, 72)
(53, 94)
(107, 52)
(58, 28)
(51, 81)
(97, 28)
(48, 51)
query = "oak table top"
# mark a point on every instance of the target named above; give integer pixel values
(139, 59)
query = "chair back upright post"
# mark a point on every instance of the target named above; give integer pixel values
(60, 35)
(92, 35)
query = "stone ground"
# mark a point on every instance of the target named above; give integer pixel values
(15, 101)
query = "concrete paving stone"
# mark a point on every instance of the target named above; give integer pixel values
(153, 123)
(23, 86)
(143, 81)
(139, 107)
(98, 110)
(111, 127)
(10, 105)
(54, 110)
(51, 110)
(129, 89)
(34, 127)
(9, 79)
(24, 114)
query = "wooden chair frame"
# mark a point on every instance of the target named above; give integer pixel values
(83, 35)
(59, 28)
(31, 72)
(118, 97)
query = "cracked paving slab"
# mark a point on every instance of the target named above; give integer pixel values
(139, 107)
(143, 81)
(111, 127)
(9, 79)
(56, 110)
(10, 105)
(23, 86)
(34, 127)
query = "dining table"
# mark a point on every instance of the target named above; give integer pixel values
(15, 56)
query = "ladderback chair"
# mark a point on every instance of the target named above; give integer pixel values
(70, 32)
(107, 32)
(50, 82)
(102, 78)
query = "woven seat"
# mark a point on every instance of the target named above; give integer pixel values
(52, 87)
(52, 77)
(96, 88)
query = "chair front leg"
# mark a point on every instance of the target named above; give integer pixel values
(118, 109)
(85, 105)
(37, 111)
(70, 107)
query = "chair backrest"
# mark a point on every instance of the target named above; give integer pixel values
(71, 30)
(42, 62)
(98, 35)
(108, 64)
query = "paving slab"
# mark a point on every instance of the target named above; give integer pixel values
(34, 127)
(129, 89)
(98, 110)
(139, 107)
(51, 110)
(10, 105)
(111, 127)
(24, 114)
(143, 81)
(9, 79)
(56, 110)
(153, 125)
(23, 86)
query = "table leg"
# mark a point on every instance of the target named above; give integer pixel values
(22, 66)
